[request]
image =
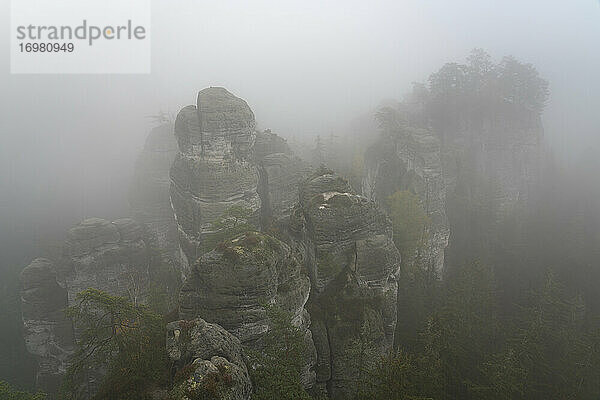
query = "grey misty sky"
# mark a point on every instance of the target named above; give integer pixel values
(305, 67)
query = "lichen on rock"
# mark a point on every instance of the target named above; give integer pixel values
(208, 361)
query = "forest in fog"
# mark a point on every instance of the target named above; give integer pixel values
(316, 202)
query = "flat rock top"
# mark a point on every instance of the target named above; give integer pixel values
(323, 182)
(220, 100)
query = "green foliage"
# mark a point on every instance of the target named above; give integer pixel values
(9, 393)
(468, 97)
(467, 350)
(116, 336)
(464, 329)
(275, 371)
(521, 86)
(418, 295)
(165, 281)
(550, 355)
(443, 355)
(402, 377)
(409, 220)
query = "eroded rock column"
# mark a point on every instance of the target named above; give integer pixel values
(352, 261)
(212, 171)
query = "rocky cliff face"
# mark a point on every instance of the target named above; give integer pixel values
(346, 244)
(110, 256)
(342, 239)
(150, 193)
(222, 162)
(410, 159)
(231, 285)
(212, 170)
(47, 332)
(281, 173)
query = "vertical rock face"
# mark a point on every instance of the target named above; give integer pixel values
(110, 256)
(46, 330)
(352, 261)
(212, 170)
(222, 162)
(214, 355)
(507, 155)
(410, 159)
(150, 193)
(281, 173)
(490, 171)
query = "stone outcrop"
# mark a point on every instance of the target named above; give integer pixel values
(223, 162)
(342, 239)
(150, 193)
(281, 173)
(47, 332)
(231, 285)
(211, 355)
(346, 244)
(212, 170)
(109, 256)
(410, 159)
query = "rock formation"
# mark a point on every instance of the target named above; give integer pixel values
(347, 247)
(281, 173)
(211, 355)
(341, 238)
(47, 332)
(110, 256)
(150, 193)
(212, 170)
(231, 285)
(223, 162)
(410, 159)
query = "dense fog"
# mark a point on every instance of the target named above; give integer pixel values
(307, 69)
